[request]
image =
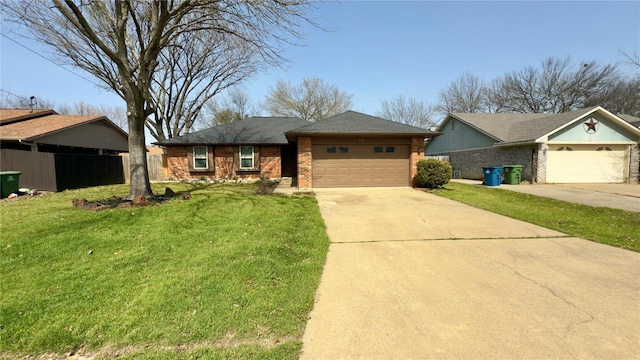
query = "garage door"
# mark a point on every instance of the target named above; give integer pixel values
(586, 164)
(348, 165)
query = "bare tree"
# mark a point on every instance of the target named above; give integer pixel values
(121, 43)
(467, 94)
(557, 86)
(117, 114)
(312, 100)
(407, 111)
(620, 97)
(630, 59)
(236, 105)
(9, 100)
(192, 73)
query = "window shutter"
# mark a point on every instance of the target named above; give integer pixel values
(256, 157)
(210, 161)
(190, 159)
(236, 158)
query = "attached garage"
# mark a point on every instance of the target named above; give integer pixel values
(354, 149)
(586, 163)
(348, 164)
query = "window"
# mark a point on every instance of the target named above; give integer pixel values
(562, 148)
(246, 157)
(453, 124)
(331, 150)
(200, 157)
(391, 149)
(344, 149)
(603, 148)
(377, 149)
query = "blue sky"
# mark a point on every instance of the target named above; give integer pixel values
(379, 50)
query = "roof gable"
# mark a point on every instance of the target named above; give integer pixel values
(254, 130)
(14, 115)
(521, 128)
(352, 122)
(27, 126)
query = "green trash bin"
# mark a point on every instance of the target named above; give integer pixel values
(513, 174)
(9, 182)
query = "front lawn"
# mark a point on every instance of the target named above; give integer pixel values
(604, 225)
(227, 274)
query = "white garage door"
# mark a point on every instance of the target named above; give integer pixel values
(586, 164)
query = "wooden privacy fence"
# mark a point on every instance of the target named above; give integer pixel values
(38, 169)
(156, 164)
(57, 172)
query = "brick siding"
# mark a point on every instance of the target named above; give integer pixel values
(305, 173)
(416, 143)
(223, 164)
(634, 164)
(469, 163)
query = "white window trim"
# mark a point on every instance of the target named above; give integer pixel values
(247, 157)
(198, 157)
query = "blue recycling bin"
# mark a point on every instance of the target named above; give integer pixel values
(492, 175)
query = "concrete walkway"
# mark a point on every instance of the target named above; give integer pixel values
(617, 196)
(410, 275)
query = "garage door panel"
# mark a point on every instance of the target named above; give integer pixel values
(586, 164)
(360, 166)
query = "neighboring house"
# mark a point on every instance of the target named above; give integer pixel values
(633, 120)
(55, 152)
(589, 145)
(48, 131)
(349, 149)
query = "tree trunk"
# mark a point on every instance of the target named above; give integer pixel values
(138, 158)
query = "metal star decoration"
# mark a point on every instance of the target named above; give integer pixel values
(591, 126)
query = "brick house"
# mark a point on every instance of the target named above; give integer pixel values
(349, 149)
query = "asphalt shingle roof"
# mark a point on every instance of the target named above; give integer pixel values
(24, 125)
(635, 121)
(519, 127)
(352, 122)
(254, 130)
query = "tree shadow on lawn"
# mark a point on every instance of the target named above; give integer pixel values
(262, 187)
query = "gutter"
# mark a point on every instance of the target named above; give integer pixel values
(34, 146)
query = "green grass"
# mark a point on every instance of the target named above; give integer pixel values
(604, 225)
(227, 274)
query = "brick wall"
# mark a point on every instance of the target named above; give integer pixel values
(540, 159)
(634, 164)
(470, 163)
(222, 163)
(416, 142)
(305, 173)
(270, 164)
(178, 163)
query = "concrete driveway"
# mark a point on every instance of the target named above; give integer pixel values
(617, 196)
(410, 275)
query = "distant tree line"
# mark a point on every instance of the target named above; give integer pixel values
(557, 85)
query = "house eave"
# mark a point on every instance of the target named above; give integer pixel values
(515, 143)
(294, 134)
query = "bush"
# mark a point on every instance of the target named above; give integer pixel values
(433, 173)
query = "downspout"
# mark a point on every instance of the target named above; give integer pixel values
(34, 146)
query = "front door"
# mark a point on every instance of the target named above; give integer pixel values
(289, 160)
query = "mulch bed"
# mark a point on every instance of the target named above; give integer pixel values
(115, 202)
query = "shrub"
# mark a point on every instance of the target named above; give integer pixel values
(433, 173)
